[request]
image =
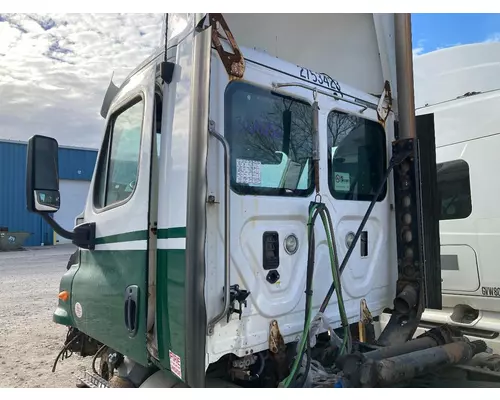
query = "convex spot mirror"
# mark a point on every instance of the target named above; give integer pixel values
(42, 175)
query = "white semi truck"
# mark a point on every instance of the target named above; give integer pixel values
(460, 86)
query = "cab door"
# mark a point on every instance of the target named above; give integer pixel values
(109, 292)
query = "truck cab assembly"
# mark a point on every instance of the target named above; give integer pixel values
(250, 216)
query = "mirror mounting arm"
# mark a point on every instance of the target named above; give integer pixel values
(57, 228)
(83, 235)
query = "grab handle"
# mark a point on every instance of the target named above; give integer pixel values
(227, 247)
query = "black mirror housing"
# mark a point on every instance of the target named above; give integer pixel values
(42, 175)
(42, 189)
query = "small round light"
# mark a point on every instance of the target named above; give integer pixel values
(291, 244)
(349, 239)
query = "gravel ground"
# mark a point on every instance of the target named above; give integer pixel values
(29, 340)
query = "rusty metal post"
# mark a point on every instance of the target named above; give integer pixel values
(412, 265)
(404, 74)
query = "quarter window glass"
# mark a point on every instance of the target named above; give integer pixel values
(454, 189)
(357, 157)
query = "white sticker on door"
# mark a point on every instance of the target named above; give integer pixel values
(175, 364)
(248, 172)
(78, 310)
(342, 182)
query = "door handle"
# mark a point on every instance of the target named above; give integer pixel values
(131, 309)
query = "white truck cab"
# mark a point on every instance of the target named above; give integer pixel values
(258, 197)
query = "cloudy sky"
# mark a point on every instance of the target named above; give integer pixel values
(436, 31)
(55, 68)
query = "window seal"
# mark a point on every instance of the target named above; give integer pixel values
(127, 104)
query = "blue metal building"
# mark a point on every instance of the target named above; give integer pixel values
(76, 167)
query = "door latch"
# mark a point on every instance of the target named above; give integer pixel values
(237, 295)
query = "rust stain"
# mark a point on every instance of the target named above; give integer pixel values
(386, 104)
(277, 348)
(233, 62)
(276, 342)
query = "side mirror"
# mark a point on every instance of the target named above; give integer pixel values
(42, 175)
(42, 190)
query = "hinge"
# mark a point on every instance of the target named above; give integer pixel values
(154, 229)
(385, 103)
(232, 60)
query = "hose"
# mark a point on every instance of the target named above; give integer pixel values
(96, 355)
(321, 210)
(327, 223)
(65, 353)
(313, 213)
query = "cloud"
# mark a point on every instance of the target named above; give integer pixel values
(494, 37)
(55, 69)
(419, 49)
